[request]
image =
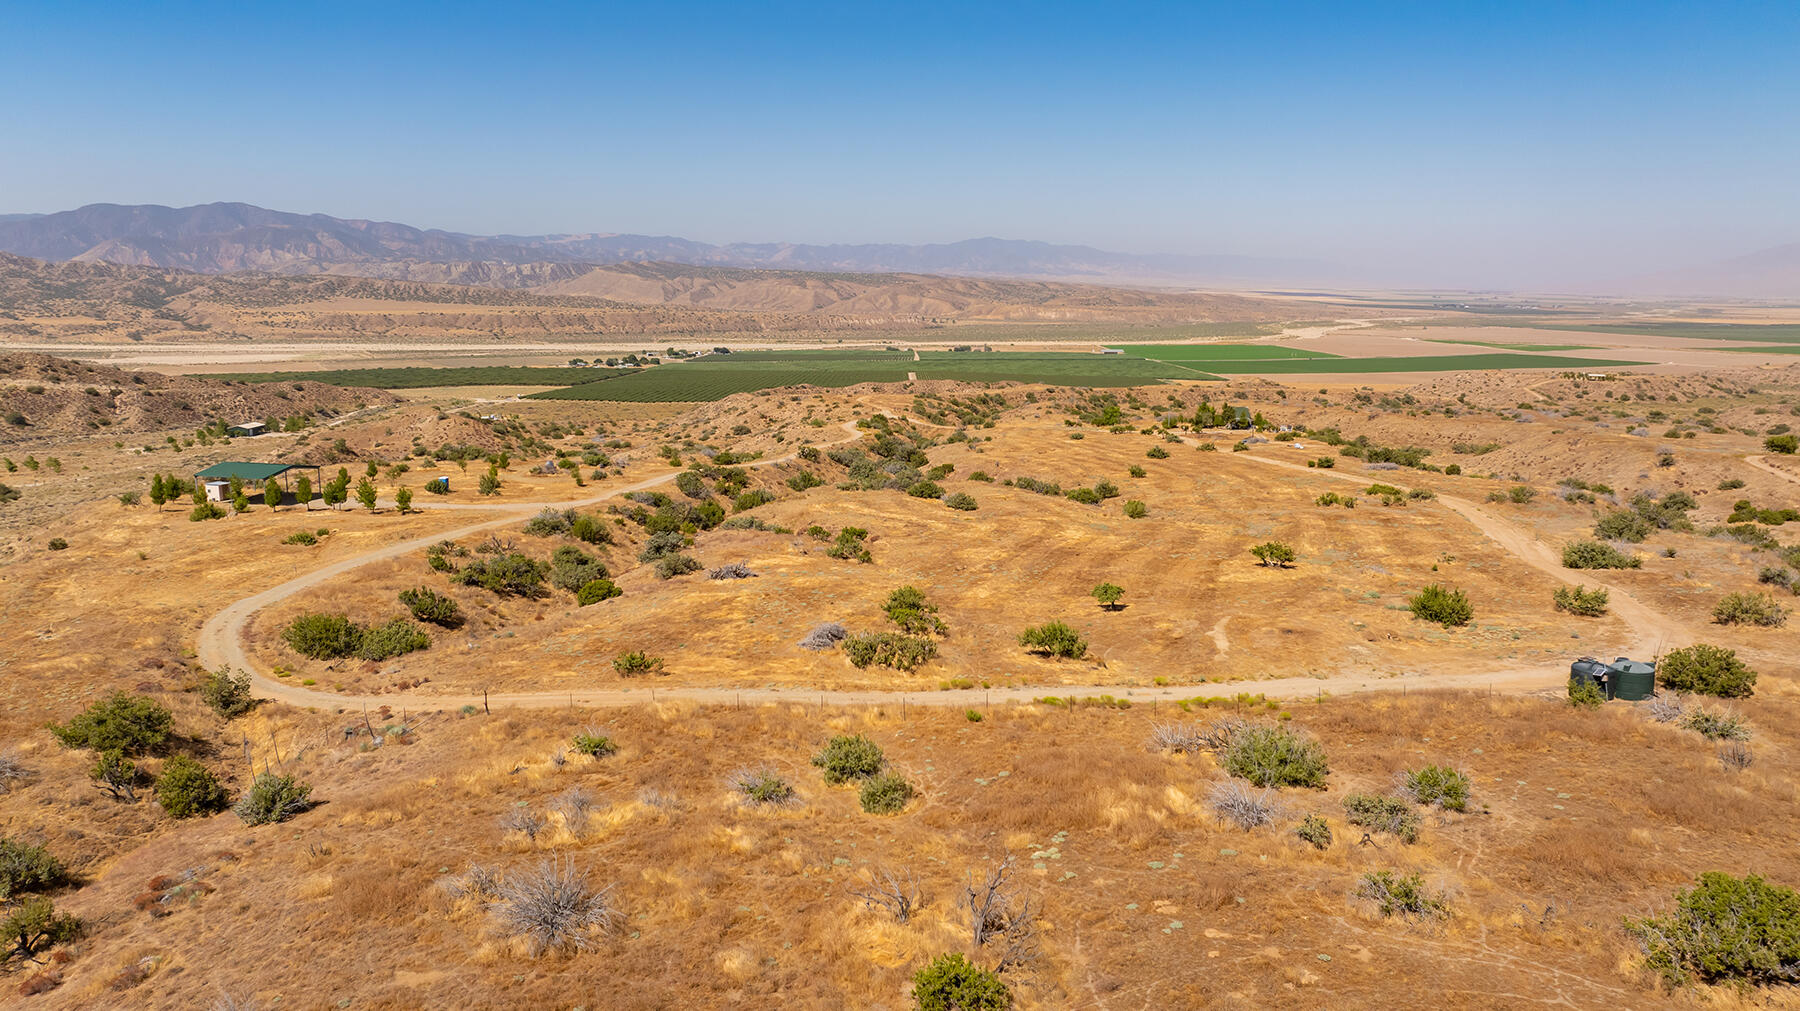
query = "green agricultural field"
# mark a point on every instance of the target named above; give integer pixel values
(1219, 352)
(1422, 363)
(1514, 347)
(1772, 333)
(1770, 349)
(717, 376)
(423, 378)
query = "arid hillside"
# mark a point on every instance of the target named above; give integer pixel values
(104, 302)
(600, 672)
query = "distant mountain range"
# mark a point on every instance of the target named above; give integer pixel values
(226, 237)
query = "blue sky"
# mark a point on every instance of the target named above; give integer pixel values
(1466, 143)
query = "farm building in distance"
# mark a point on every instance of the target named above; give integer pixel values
(248, 428)
(217, 478)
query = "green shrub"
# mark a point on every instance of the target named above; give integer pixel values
(1086, 496)
(1581, 601)
(1440, 786)
(1725, 929)
(1785, 444)
(1519, 494)
(848, 757)
(132, 724)
(1446, 607)
(590, 529)
(226, 693)
(305, 537)
(1622, 525)
(1135, 509)
(925, 489)
(1585, 694)
(961, 501)
(637, 663)
(510, 575)
(206, 511)
(1377, 813)
(1108, 595)
(953, 983)
(272, 799)
(550, 522)
(1403, 896)
(428, 605)
(886, 793)
(187, 789)
(395, 637)
(1706, 670)
(1717, 726)
(908, 608)
(751, 499)
(1595, 555)
(596, 591)
(1274, 554)
(572, 568)
(1275, 756)
(323, 636)
(27, 868)
(1744, 608)
(804, 480)
(762, 786)
(849, 545)
(1313, 829)
(594, 744)
(1054, 639)
(889, 649)
(670, 566)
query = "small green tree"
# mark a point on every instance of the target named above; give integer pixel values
(226, 693)
(953, 983)
(1274, 554)
(272, 495)
(188, 789)
(159, 492)
(1108, 595)
(1054, 639)
(240, 503)
(908, 608)
(427, 604)
(123, 722)
(1447, 607)
(115, 774)
(403, 500)
(1726, 929)
(365, 494)
(1706, 670)
(35, 925)
(1585, 694)
(490, 482)
(303, 491)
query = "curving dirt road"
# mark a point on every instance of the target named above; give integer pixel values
(1761, 464)
(221, 640)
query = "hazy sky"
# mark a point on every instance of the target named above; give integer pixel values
(1444, 143)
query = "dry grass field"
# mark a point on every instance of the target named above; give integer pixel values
(1144, 895)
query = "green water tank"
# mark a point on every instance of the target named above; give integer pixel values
(1633, 682)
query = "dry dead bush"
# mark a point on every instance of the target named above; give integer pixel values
(574, 805)
(1001, 917)
(524, 821)
(1735, 756)
(1221, 734)
(895, 891)
(479, 882)
(1242, 806)
(552, 907)
(1666, 708)
(1177, 738)
(12, 770)
(824, 636)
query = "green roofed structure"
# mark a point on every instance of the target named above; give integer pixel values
(268, 475)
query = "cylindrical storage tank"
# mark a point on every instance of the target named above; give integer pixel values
(1634, 685)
